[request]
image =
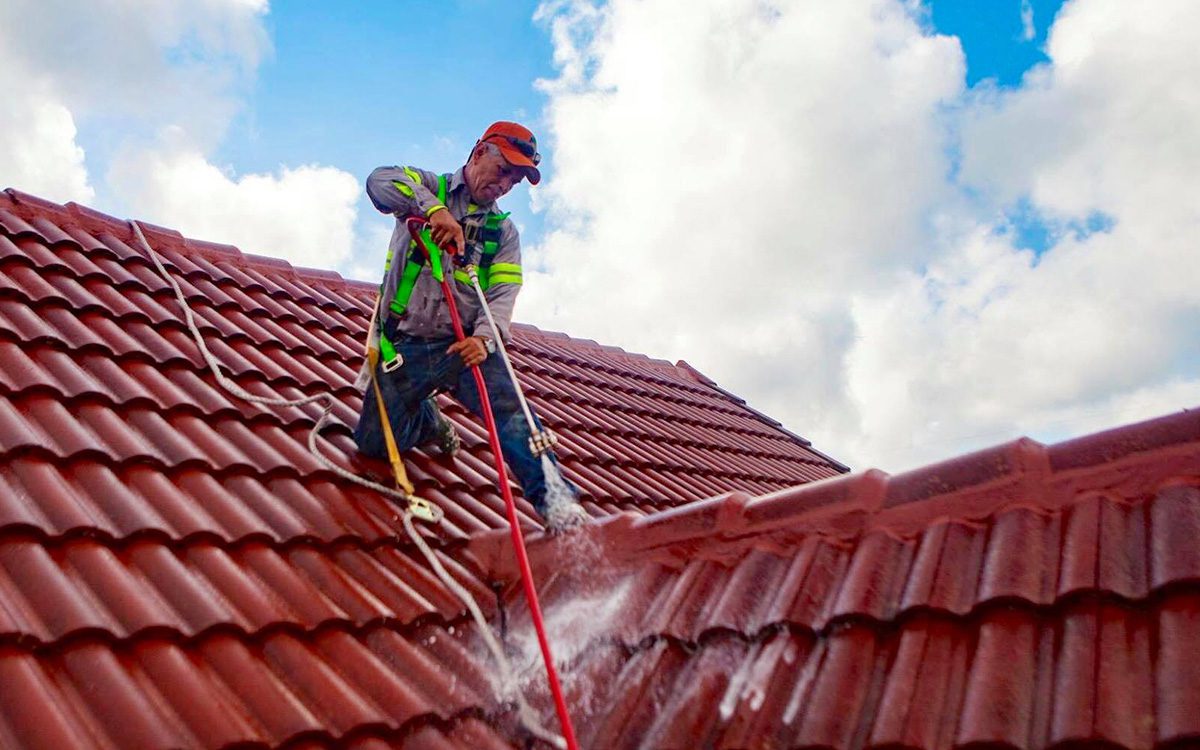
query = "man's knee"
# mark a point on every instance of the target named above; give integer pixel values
(502, 396)
(369, 441)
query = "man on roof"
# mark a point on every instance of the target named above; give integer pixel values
(413, 318)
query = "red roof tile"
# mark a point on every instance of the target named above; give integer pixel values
(1022, 596)
(175, 570)
(180, 552)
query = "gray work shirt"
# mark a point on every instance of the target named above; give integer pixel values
(427, 314)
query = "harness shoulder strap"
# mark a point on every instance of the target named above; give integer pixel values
(416, 260)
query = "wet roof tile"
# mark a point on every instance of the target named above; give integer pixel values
(998, 598)
(176, 570)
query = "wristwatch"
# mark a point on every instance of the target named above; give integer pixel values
(488, 344)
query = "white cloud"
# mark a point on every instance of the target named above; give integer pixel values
(39, 153)
(1101, 330)
(155, 84)
(139, 64)
(1028, 30)
(304, 214)
(769, 191)
(366, 263)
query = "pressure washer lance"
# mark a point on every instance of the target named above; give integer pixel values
(541, 440)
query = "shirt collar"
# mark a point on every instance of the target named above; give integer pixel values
(458, 180)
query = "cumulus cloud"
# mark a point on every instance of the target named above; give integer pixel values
(154, 85)
(1028, 30)
(804, 201)
(139, 64)
(39, 152)
(1100, 328)
(305, 214)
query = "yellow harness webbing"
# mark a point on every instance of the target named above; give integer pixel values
(420, 507)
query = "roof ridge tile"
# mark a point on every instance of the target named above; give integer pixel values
(214, 251)
(266, 261)
(859, 493)
(1125, 441)
(24, 201)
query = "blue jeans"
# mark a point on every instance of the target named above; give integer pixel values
(408, 395)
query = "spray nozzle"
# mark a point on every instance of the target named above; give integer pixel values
(541, 442)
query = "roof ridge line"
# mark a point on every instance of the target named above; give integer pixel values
(972, 485)
(590, 343)
(705, 380)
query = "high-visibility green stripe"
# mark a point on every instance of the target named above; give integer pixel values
(386, 348)
(435, 255)
(408, 279)
(462, 277)
(405, 190)
(413, 175)
(505, 278)
(506, 268)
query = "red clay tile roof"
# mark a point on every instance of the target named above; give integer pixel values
(1021, 597)
(176, 571)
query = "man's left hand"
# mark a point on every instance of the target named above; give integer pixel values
(471, 349)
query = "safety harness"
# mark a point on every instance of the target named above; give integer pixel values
(485, 235)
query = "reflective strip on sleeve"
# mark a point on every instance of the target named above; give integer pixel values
(505, 273)
(462, 277)
(434, 209)
(405, 190)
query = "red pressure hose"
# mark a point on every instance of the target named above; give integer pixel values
(510, 506)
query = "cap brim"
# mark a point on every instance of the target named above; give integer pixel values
(517, 159)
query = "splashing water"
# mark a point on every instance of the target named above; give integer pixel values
(563, 511)
(573, 626)
(558, 492)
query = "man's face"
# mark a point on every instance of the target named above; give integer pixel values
(491, 176)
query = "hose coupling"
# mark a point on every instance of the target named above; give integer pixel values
(541, 442)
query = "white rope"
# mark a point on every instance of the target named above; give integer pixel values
(325, 399)
(526, 714)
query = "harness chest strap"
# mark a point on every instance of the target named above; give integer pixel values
(489, 273)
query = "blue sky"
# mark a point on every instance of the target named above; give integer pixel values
(369, 83)
(994, 35)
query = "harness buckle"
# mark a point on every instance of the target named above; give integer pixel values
(394, 364)
(423, 509)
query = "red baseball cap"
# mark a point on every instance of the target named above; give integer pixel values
(517, 145)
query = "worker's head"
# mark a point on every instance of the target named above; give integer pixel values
(502, 157)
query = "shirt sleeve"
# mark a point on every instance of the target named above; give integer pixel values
(403, 191)
(505, 282)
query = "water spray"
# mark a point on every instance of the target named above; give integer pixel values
(419, 229)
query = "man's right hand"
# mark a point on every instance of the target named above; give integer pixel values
(446, 232)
